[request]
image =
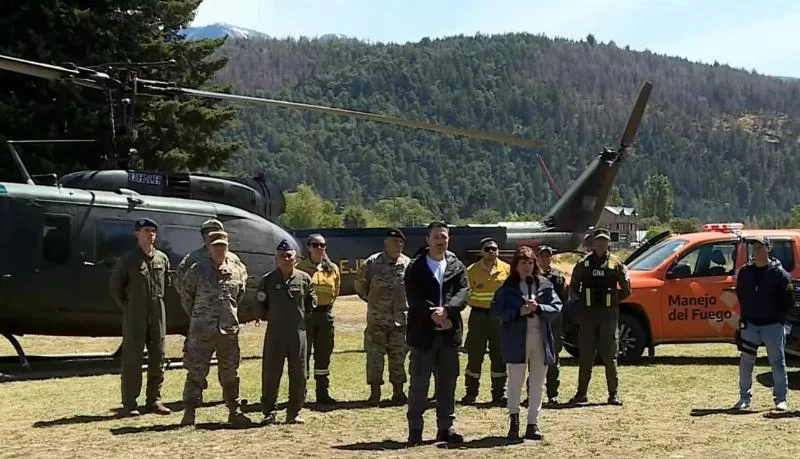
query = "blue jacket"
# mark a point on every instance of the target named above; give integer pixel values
(506, 304)
(768, 301)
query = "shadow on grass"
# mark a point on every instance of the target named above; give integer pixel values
(173, 427)
(116, 414)
(765, 379)
(481, 443)
(782, 414)
(322, 408)
(390, 445)
(697, 412)
(385, 445)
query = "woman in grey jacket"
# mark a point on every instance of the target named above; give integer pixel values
(525, 305)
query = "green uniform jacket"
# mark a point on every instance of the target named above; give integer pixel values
(137, 286)
(286, 302)
(612, 264)
(380, 283)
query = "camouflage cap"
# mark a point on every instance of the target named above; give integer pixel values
(145, 222)
(212, 224)
(217, 237)
(758, 240)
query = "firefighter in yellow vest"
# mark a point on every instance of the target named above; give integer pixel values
(485, 276)
(326, 280)
(599, 281)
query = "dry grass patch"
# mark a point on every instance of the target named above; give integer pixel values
(662, 416)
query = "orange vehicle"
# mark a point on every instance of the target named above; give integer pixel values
(684, 289)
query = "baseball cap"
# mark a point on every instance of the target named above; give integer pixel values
(758, 239)
(212, 224)
(217, 237)
(545, 248)
(395, 232)
(601, 233)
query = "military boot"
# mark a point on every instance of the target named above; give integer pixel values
(374, 394)
(322, 391)
(472, 385)
(237, 418)
(188, 416)
(533, 432)
(398, 396)
(513, 427)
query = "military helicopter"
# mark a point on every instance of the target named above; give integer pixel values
(564, 227)
(60, 238)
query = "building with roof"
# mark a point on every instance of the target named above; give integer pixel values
(621, 222)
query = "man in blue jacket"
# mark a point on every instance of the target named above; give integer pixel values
(436, 290)
(764, 290)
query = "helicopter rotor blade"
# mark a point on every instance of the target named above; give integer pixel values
(81, 77)
(636, 116)
(498, 137)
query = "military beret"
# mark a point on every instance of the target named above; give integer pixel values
(486, 240)
(212, 224)
(217, 237)
(284, 246)
(394, 232)
(545, 248)
(601, 233)
(143, 222)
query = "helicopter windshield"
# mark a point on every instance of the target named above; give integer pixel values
(656, 255)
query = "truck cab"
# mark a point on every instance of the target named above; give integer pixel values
(684, 289)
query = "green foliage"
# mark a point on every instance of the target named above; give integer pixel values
(655, 229)
(306, 209)
(170, 134)
(615, 198)
(403, 211)
(793, 220)
(686, 225)
(486, 216)
(707, 128)
(656, 199)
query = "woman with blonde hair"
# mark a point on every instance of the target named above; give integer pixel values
(525, 305)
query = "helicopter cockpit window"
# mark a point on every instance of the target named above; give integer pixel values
(114, 237)
(56, 239)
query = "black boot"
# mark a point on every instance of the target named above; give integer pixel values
(322, 391)
(533, 432)
(472, 384)
(398, 396)
(513, 427)
(374, 394)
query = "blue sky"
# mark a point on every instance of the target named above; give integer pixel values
(759, 35)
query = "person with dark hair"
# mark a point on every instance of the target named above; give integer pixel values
(765, 293)
(437, 290)
(526, 304)
(485, 277)
(599, 281)
(326, 279)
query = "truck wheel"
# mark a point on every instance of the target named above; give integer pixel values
(631, 339)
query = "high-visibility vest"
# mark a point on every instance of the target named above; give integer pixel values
(483, 283)
(599, 282)
(326, 285)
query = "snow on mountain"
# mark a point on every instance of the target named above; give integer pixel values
(220, 29)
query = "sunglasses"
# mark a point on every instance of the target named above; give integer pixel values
(318, 245)
(490, 249)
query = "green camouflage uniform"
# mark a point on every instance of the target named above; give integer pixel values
(137, 286)
(379, 282)
(559, 282)
(211, 297)
(191, 258)
(286, 305)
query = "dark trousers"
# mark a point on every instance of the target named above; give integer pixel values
(280, 345)
(483, 329)
(135, 338)
(553, 370)
(598, 332)
(319, 330)
(443, 357)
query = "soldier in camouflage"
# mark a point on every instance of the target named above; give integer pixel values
(211, 292)
(379, 282)
(137, 286)
(200, 252)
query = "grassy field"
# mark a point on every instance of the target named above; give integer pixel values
(675, 406)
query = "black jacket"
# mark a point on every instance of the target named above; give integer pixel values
(422, 293)
(767, 300)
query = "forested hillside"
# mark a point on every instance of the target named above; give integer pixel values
(726, 139)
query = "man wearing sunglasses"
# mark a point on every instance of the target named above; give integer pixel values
(485, 277)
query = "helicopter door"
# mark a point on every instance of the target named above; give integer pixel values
(111, 239)
(5, 254)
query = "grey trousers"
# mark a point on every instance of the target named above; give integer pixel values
(443, 357)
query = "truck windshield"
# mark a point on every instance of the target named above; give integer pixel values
(656, 255)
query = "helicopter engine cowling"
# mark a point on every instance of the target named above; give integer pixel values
(251, 194)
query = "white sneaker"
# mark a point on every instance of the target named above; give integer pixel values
(782, 406)
(741, 405)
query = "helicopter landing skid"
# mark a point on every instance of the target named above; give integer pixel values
(18, 347)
